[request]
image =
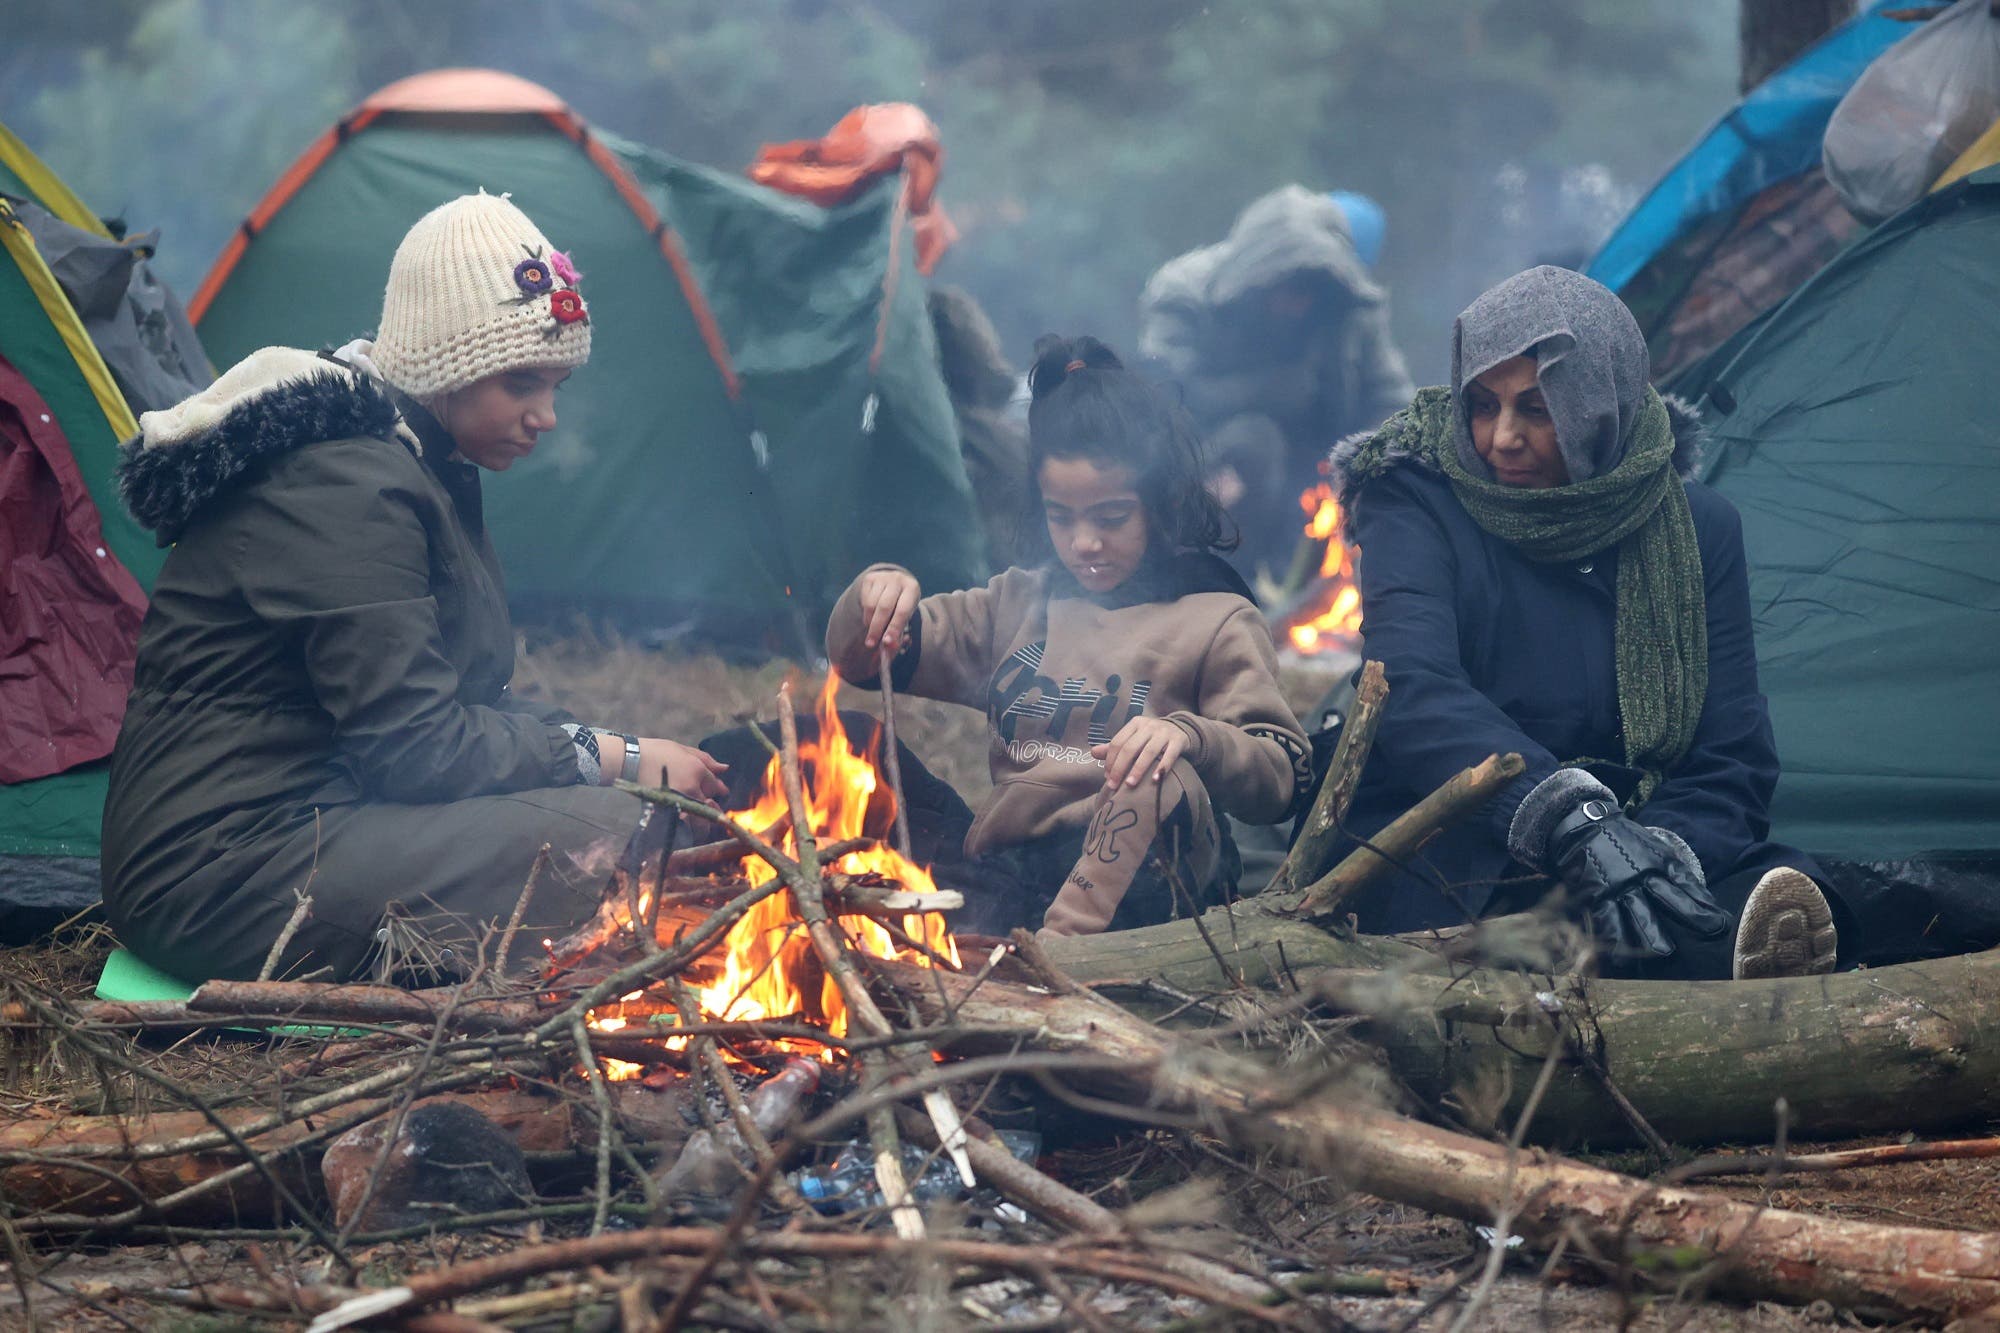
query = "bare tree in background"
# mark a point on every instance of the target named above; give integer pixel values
(1771, 32)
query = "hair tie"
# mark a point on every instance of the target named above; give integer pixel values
(1073, 366)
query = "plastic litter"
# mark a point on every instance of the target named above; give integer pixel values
(847, 1184)
(712, 1166)
(1915, 110)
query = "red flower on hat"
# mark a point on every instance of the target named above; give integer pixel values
(568, 307)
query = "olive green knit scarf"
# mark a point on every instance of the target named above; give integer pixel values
(1661, 640)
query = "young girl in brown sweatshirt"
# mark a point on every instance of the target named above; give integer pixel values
(1128, 680)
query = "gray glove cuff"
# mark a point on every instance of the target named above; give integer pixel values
(589, 761)
(1681, 849)
(1551, 801)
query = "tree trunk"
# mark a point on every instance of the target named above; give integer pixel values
(1912, 1047)
(1771, 32)
(1756, 1252)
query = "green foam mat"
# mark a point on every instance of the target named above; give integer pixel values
(128, 977)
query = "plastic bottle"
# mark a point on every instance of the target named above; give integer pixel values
(847, 1183)
(706, 1175)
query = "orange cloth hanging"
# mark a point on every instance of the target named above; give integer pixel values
(868, 143)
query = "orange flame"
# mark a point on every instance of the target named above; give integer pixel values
(1334, 612)
(767, 966)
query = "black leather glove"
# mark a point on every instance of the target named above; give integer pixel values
(1628, 876)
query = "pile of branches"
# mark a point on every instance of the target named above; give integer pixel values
(1208, 1001)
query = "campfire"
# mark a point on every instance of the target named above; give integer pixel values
(765, 967)
(1330, 615)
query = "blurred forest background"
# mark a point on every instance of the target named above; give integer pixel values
(1085, 143)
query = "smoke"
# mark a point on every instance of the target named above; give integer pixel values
(1085, 145)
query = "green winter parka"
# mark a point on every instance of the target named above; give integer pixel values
(320, 699)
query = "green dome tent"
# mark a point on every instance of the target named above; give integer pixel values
(762, 416)
(1855, 432)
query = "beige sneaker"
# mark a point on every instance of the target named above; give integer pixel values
(1786, 929)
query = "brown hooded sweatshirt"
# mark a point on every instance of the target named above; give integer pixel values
(1058, 670)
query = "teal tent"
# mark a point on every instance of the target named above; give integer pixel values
(1855, 432)
(763, 414)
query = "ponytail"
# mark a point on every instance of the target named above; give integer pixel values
(1084, 403)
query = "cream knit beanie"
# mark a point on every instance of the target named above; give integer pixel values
(475, 289)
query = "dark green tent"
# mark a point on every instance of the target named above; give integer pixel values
(762, 416)
(1855, 431)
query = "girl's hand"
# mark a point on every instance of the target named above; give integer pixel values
(665, 763)
(1145, 744)
(888, 597)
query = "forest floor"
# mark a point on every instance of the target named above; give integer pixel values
(1390, 1267)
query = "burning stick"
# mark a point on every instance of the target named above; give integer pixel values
(860, 1004)
(891, 761)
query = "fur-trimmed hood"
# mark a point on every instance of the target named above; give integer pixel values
(273, 401)
(1690, 441)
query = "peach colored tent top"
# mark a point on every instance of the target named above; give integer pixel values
(466, 90)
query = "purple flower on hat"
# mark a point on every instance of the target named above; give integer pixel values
(532, 276)
(560, 265)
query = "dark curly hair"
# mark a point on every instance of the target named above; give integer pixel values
(1086, 404)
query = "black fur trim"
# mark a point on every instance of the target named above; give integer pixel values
(165, 487)
(1553, 800)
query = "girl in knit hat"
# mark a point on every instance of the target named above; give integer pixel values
(320, 705)
(1541, 575)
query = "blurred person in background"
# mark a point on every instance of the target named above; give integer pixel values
(320, 702)
(1278, 338)
(992, 440)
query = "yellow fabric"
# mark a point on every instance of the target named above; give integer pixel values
(21, 246)
(1984, 152)
(47, 187)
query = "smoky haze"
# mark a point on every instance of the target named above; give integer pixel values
(1085, 143)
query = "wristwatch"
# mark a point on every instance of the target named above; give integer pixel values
(630, 772)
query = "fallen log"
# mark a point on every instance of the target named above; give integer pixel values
(360, 1004)
(1910, 1047)
(1751, 1251)
(95, 1166)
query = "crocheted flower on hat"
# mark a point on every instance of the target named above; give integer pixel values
(560, 265)
(532, 276)
(568, 308)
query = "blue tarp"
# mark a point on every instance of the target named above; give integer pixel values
(1772, 135)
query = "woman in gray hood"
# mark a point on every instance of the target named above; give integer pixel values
(1541, 575)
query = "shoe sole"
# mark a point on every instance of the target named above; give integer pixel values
(1786, 929)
